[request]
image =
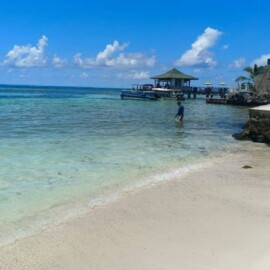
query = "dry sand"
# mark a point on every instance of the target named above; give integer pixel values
(215, 218)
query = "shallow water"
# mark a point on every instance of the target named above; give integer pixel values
(62, 149)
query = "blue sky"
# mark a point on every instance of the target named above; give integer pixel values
(117, 43)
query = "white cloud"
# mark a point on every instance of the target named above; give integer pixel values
(78, 60)
(28, 56)
(84, 75)
(238, 63)
(136, 75)
(199, 55)
(108, 58)
(58, 62)
(225, 46)
(141, 75)
(110, 49)
(262, 61)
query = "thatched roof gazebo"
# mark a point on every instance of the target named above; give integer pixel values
(173, 79)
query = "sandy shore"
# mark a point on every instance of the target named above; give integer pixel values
(215, 218)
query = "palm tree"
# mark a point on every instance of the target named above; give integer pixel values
(250, 78)
(251, 72)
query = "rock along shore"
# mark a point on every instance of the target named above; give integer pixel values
(258, 127)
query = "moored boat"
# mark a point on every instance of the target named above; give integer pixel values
(134, 94)
(140, 92)
(169, 93)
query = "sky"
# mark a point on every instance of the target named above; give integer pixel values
(119, 43)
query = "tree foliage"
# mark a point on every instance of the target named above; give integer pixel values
(251, 73)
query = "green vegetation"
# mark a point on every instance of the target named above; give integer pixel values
(251, 73)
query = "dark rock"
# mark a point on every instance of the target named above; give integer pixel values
(242, 136)
(258, 138)
(249, 99)
(247, 167)
(257, 129)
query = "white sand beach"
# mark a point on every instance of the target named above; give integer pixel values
(216, 218)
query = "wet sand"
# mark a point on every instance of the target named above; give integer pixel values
(214, 218)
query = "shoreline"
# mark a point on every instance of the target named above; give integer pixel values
(215, 218)
(49, 218)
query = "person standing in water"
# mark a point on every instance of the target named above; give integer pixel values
(180, 112)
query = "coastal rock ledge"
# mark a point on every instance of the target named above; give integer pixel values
(258, 127)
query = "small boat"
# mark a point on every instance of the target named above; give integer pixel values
(134, 94)
(140, 91)
(169, 93)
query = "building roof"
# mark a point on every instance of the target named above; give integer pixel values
(174, 74)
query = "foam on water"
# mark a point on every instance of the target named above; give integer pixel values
(66, 150)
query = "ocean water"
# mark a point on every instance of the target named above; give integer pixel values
(65, 150)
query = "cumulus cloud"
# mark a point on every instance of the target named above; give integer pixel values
(113, 56)
(262, 61)
(136, 75)
(58, 62)
(28, 56)
(225, 46)
(110, 49)
(199, 55)
(238, 63)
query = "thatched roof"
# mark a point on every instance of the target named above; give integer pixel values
(174, 74)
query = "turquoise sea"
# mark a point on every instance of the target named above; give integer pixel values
(65, 150)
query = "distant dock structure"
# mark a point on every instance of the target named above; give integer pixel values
(173, 82)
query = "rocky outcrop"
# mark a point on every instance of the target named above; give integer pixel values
(249, 99)
(258, 127)
(261, 92)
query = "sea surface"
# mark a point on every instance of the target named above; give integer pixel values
(64, 150)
